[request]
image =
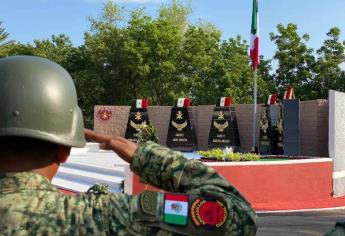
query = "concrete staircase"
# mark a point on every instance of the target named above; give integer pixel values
(88, 166)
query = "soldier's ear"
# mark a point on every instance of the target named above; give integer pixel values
(63, 153)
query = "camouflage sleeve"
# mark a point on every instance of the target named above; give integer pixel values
(224, 208)
(339, 230)
(170, 171)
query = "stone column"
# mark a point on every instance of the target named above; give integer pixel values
(336, 133)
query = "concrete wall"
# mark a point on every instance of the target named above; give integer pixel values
(261, 183)
(337, 140)
(313, 124)
(314, 128)
(116, 124)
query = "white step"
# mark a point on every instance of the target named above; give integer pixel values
(86, 167)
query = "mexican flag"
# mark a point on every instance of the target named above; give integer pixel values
(183, 102)
(175, 209)
(254, 42)
(142, 103)
(225, 102)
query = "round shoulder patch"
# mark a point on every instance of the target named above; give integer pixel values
(209, 213)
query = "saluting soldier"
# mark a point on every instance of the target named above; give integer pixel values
(39, 123)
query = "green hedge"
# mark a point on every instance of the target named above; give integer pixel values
(220, 155)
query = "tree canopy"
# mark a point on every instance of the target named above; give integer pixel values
(4, 37)
(128, 54)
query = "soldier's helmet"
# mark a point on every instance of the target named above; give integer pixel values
(38, 100)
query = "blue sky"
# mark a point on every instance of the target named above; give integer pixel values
(27, 20)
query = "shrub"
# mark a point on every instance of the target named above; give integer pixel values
(250, 157)
(205, 153)
(147, 133)
(233, 156)
(218, 154)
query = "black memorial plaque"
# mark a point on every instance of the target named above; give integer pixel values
(224, 129)
(291, 127)
(181, 132)
(277, 129)
(138, 117)
(265, 131)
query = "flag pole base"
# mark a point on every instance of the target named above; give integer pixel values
(255, 150)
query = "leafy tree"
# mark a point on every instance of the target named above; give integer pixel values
(87, 81)
(4, 37)
(140, 58)
(16, 48)
(328, 66)
(265, 71)
(212, 68)
(56, 49)
(200, 55)
(162, 58)
(103, 50)
(158, 42)
(238, 77)
(295, 60)
(128, 55)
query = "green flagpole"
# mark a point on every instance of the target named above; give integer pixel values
(254, 148)
(254, 56)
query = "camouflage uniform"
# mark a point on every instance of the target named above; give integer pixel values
(339, 230)
(30, 205)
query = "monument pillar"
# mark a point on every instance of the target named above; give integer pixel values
(181, 132)
(224, 129)
(138, 117)
(337, 140)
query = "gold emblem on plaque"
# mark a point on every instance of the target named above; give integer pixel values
(280, 126)
(264, 114)
(221, 127)
(264, 126)
(179, 127)
(138, 116)
(137, 126)
(221, 115)
(179, 115)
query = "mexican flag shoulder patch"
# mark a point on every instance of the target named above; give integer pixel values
(175, 209)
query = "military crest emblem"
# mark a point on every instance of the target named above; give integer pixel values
(104, 114)
(209, 213)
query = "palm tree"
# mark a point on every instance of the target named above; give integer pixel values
(4, 36)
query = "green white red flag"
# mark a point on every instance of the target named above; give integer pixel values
(142, 103)
(225, 101)
(183, 102)
(175, 209)
(254, 42)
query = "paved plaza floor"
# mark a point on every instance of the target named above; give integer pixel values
(298, 223)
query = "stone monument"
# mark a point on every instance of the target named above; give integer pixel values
(181, 132)
(224, 129)
(138, 117)
(265, 131)
(271, 139)
(277, 129)
(291, 111)
(279, 125)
